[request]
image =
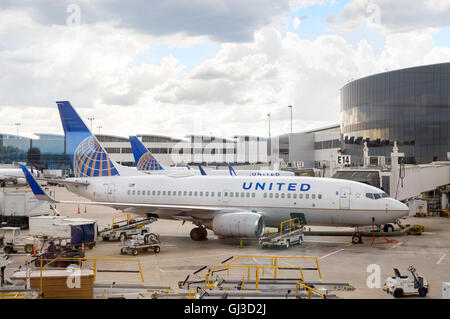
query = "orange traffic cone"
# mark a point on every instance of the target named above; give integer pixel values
(78, 209)
(85, 209)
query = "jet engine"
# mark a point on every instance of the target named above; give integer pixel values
(239, 224)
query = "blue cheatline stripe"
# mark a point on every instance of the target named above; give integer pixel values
(35, 187)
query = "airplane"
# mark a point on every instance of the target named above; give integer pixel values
(236, 206)
(14, 176)
(146, 162)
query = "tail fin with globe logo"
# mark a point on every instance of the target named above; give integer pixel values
(89, 158)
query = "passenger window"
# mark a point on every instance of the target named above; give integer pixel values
(248, 195)
(138, 192)
(369, 195)
(148, 193)
(225, 194)
(265, 195)
(277, 195)
(190, 193)
(169, 193)
(242, 194)
(313, 196)
(319, 196)
(154, 193)
(288, 195)
(179, 193)
(134, 192)
(231, 194)
(306, 196)
(206, 194)
(282, 195)
(295, 196)
(300, 196)
(212, 194)
(159, 193)
(128, 192)
(164, 193)
(201, 193)
(253, 195)
(237, 194)
(195, 193)
(219, 194)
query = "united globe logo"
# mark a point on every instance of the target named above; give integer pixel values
(148, 163)
(90, 159)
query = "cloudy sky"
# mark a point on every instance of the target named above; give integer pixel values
(178, 67)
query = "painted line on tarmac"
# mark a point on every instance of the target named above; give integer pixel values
(441, 259)
(332, 253)
(398, 244)
(428, 233)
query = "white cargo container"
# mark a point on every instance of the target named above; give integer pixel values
(17, 206)
(446, 290)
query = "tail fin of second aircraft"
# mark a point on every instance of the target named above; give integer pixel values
(88, 157)
(142, 157)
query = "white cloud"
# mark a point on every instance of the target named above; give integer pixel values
(231, 93)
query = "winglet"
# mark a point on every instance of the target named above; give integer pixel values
(38, 192)
(231, 169)
(202, 171)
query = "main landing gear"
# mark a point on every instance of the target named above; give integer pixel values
(199, 233)
(357, 238)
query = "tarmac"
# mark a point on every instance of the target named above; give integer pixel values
(339, 259)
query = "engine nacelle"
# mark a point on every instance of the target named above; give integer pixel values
(238, 224)
(21, 181)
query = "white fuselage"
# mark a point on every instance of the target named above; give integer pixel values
(13, 175)
(218, 172)
(321, 201)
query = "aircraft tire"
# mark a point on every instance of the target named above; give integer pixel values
(196, 234)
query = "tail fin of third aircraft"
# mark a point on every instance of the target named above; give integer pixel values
(142, 157)
(88, 157)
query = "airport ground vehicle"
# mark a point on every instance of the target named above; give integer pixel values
(17, 207)
(290, 233)
(141, 243)
(126, 228)
(14, 242)
(59, 248)
(400, 286)
(79, 230)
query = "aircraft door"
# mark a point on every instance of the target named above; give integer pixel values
(344, 198)
(110, 191)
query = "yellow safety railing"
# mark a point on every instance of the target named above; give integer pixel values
(42, 267)
(309, 289)
(292, 224)
(274, 265)
(192, 293)
(13, 296)
(121, 215)
(274, 262)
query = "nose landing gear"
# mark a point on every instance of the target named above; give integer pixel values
(357, 238)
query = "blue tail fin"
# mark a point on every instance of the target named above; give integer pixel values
(202, 171)
(142, 157)
(88, 157)
(231, 169)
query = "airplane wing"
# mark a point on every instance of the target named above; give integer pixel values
(62, 181)
(40, 194)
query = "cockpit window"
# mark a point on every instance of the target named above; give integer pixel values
(384, 195)
(377, 196)
(369, 195)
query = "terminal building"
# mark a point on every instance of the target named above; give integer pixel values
(405, 112)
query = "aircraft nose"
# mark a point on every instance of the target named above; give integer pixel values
(402, 209)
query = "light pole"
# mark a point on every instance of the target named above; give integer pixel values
(268, 115)
(17, 124)
(91, 119)
(290, 106)
(99, 127)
